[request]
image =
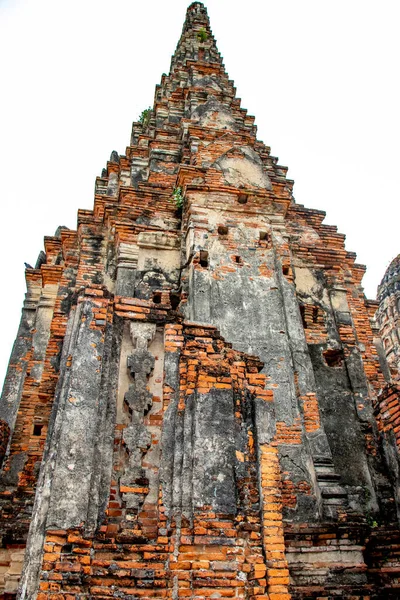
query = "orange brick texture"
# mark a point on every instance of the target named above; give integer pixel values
(233, 556)
(387, 411)
(194, 406)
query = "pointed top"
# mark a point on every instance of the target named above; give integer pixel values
(392, 272)
(196, 8)
(197, 41)
(196, 18)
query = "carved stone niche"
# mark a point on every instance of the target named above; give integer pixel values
(158, 263)
(137, 438)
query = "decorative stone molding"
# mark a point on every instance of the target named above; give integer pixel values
(137, 439)
(127, 256)
(159, 240)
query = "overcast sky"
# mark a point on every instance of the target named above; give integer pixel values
(320, 76)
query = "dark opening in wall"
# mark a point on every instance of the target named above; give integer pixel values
(37, 429)
(204, 259)
(303, 315)
(175, 299)
(285, 269)
(242, 199)
(333, 358)
(315, 314)
(222, 230)
(157, 297)
(263, 236)
(237, 259)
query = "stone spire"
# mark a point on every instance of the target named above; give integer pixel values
(197, 42)
(388, 315)
(196, 376)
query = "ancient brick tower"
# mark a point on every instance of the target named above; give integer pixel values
(192, 404)
(388, 314)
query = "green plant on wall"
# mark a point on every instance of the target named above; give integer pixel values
(177, 197)
(202, 35)
(145, 117)
(371, 521)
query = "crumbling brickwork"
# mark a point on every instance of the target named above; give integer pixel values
(193, 405)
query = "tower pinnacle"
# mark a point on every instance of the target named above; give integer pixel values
(197, 42)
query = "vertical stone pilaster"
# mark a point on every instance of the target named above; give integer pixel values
(65, 496)
(126, 269)
(81, 413)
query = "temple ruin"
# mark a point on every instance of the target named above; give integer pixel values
(197, 403)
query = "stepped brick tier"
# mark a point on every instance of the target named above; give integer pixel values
(193, 404)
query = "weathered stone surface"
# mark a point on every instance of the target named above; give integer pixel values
(149, 456)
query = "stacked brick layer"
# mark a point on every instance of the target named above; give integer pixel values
(193, 405)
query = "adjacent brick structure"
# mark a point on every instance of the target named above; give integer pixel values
(388, 315)
(193, 405)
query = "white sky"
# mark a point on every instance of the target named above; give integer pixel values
(320, 76)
